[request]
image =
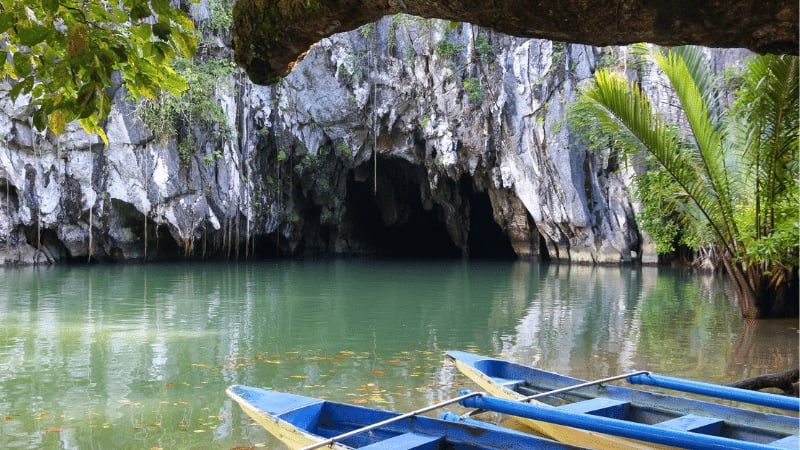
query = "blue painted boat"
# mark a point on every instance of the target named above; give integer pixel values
(307, 423)
(596, 414)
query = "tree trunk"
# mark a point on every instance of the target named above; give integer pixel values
(745, 294)
(758, 297)
(785, 381)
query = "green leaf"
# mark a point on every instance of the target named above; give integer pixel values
(175, 84)
(119, 16)
(86, 96)
(98, 11)
(30, 36)
(57, 121)
(22, 64)
(162, 8)
(183, 21)
(165, 51)
(143, 31)
(40, 119)
(162, 30)
(16, 90)
(185, 43)
(7, 19)
(140, 11)
(50, 6)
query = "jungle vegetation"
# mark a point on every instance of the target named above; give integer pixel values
(725, 183)
(64, 54)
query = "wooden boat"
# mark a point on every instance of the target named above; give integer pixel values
(590, 402)
(308, 423)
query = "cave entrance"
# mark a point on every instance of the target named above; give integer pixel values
(394, 222)
(486, 238)
(397, 221)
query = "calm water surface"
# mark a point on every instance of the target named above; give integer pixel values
(139, 356)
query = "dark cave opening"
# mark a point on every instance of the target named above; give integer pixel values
(412, 229)
(486, 238)
(165, 245)
(398, 221)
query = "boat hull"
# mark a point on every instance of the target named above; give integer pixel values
(510, 381)
(303, 421)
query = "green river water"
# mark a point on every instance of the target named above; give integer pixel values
(139, 356)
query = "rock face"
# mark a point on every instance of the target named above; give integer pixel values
(269, 36)
(409, 136)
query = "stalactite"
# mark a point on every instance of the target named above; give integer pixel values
(8, 213)
(38, 201)
(91, 207)
(147, 191)
(374, 120)
(205, 242)
(237, 224)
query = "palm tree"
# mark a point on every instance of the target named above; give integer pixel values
(731, 178)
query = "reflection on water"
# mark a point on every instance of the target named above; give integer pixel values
(139, 356)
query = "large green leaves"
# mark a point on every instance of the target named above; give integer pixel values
(765, 124)
(63, 54)
(731, 181)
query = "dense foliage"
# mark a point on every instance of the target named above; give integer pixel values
(171, 116)
(728, 183)
(65, 53)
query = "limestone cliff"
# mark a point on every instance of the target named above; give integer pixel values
(409, 136)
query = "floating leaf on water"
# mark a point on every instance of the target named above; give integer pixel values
(299, 377)
(52, 430)
(201, 365)
(7, 418)
(199, 431)
(378, 372)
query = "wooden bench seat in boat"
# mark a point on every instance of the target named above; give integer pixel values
(606, 407)
(697, 424)
(411, 441)
(792, 442)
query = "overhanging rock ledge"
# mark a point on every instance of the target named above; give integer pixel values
(270, 36)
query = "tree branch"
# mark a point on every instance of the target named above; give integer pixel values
(785, 381)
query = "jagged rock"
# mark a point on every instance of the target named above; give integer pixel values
(270, 36)
(407, 136)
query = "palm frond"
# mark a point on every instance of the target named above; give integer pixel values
(687, 79)
(623, 109)
(764, 130)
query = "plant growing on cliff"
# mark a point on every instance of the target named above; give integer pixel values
(173, 116)
(447, 49)
(733, 178)
(472, 86)
(483, 48)
(63, 53)
(220, 15)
